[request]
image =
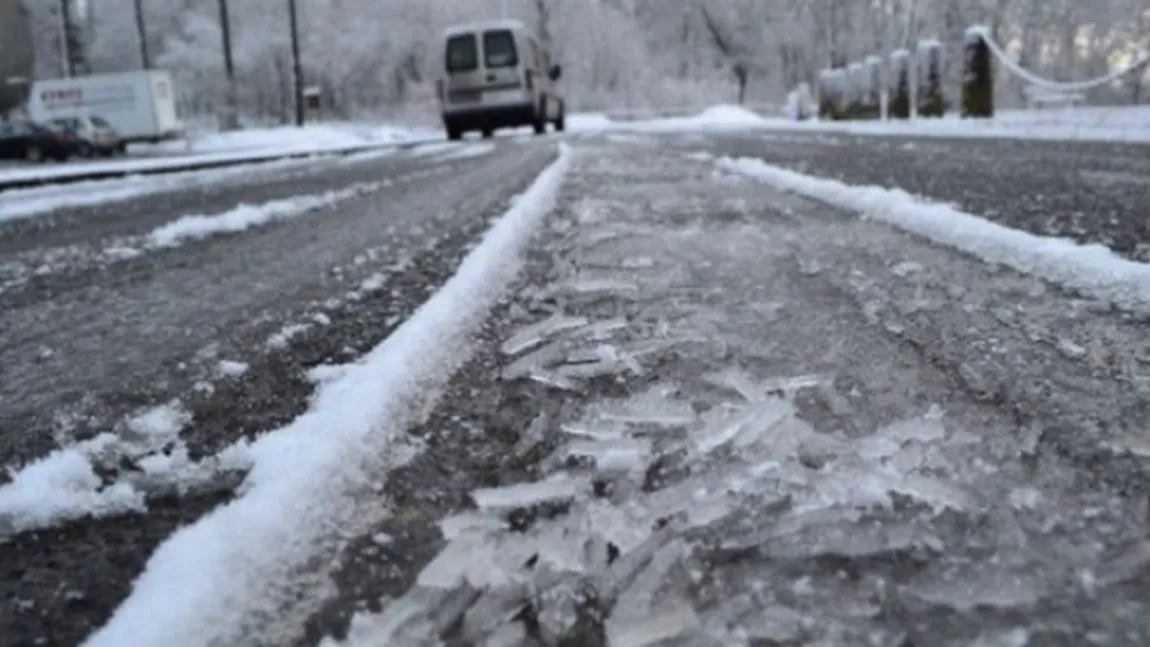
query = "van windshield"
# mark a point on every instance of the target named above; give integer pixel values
(99, 122)
(499, 49)
(461, 53)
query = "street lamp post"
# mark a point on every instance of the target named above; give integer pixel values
(231, 109)
(142, 34)
(297, 66)
(65, 41)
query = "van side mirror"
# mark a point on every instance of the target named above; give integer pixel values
(555, 72)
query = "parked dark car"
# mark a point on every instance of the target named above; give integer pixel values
(33, 142)
(93, 133)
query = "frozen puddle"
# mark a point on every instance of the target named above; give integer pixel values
(704, 502)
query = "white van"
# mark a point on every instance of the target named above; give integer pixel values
(497, 76)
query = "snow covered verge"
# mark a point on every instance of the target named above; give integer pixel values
(312, 137)
(1077, 124)
(309, 480)
(1092, 270)
(237, 147)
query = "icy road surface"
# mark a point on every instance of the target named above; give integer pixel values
(704, 411)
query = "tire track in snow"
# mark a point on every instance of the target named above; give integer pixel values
(295, 509)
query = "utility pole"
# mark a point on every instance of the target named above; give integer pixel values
(142, 34)
(65, 39)
(230, 117)
(297, 67)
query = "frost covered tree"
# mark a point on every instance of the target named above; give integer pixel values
(381, 57)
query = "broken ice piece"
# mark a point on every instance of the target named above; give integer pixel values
(494, 609)
(1128, 444)
(651, 407)
(586, 286)
(775, 625)
(616, 455)
(738, 381)
(469, 523)
(544, 357)
(595, 428)
(556, 490)
(641, 593)
(534, 434)
(967, 586)
(671, 620)
(600, 330)
(788, 385)
(924, 429)
(556, 380)
(567, 612)
(637, 262)
(591, 370)
(513, 634)
(537, 333)
(723, 425)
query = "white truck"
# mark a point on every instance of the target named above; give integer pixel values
(140, 106)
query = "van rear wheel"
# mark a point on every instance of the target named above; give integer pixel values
(488, 133)
(454, 134)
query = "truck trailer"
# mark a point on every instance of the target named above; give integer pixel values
(140, 106)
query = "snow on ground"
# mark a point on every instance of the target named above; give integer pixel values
(208, 581)
(1130, 124)
(22, 203)
(64, 485)
(1083, 123)
(312, 137)
(246, 216)
(468, 151)
(238, 146)
(40, 262)
(1090, 269)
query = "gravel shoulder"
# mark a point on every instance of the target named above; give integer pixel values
(1089, 192)
(746, 439)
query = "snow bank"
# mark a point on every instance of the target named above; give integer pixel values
(214, 581)
(589, 122)
(236, 146)
(714, 117)
(316, 137)
(1092, 270)
(1082, 124)
(1118, 124)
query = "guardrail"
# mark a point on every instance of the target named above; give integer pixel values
(34, 177)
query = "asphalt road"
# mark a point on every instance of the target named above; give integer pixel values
(819, 430)
(1090, 192)
(81, 350)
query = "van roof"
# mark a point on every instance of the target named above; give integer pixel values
(485, 25)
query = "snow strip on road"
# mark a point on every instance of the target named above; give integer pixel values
(246, 216)
(214, 582)
(23, 203)
(1092, 270)
(468, 151)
